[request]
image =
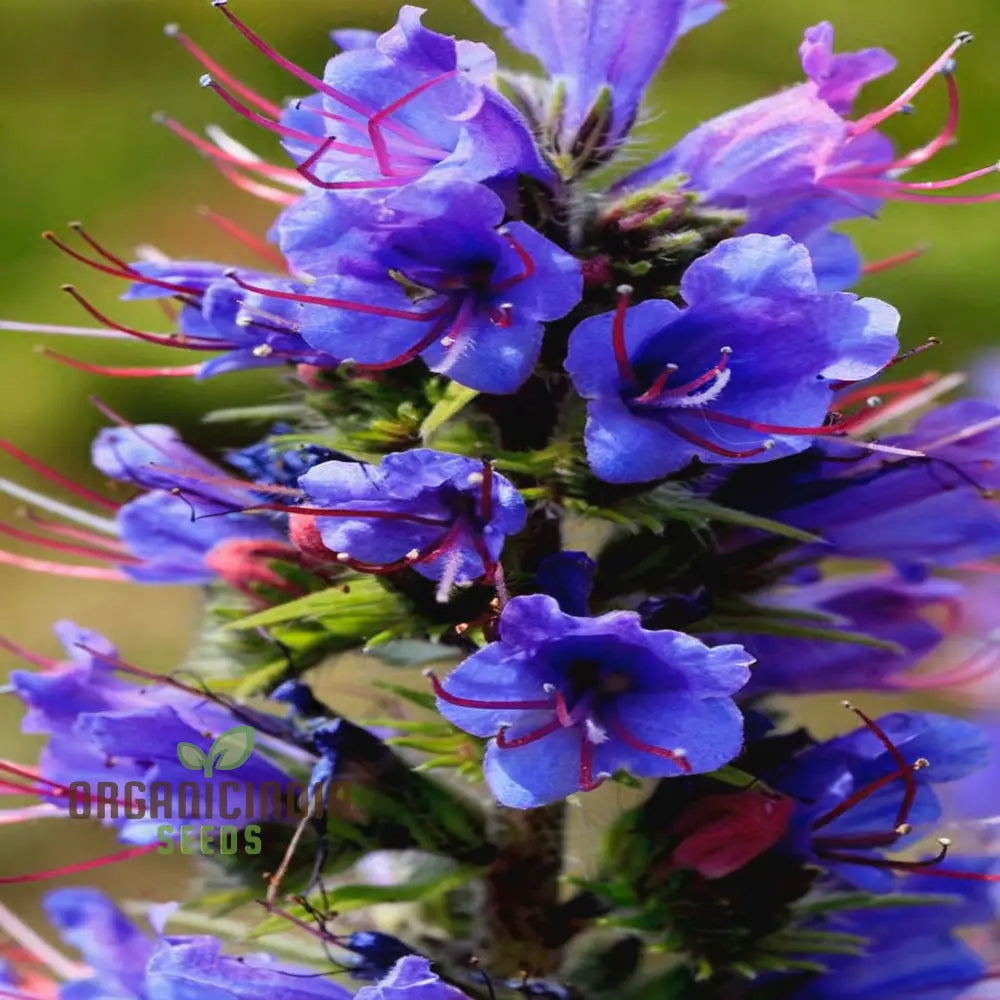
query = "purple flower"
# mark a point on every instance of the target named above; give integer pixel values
(600, 55)
(745, 372)
(570, 701)
(192, 509)
(411, 978)
(414, 103)
(876, 607)
(795, 163)
(433, 276)
(104, 729)
(445, 515)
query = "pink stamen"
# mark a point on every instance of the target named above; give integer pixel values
(527, 261)
(888, 263)
(249, 95)
(617, 727)
(258, 246)
(943, 139)
(975, 668)
(276, 196)
(161, 340)
(318, 300)
(563, 714)
(79, 534)
(306, 170)
(376, 122)
(45, 662)
(304, 75)
(875, 118)
(716, 449)
(839, 426)
(116, 272)
(175, 371)
(62, 569)
(846, 180)
(83, 866)
(55, 477)
(526, 705)
(283, 175)
(87, 551)
(536, 734)
(625, 370)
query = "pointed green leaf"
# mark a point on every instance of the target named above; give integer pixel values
(456, 397)
(192, 757)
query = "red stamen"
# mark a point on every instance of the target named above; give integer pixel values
(79, 534)
(903, 866)
(32, 774)
(162, 340)
(659, 389)
(55, 477)
(251, 96)
(527, 262)
(563, 714)
(87, 551)
(947, 134)
(176, 371)
(887, 390)
(77, 228)
(62, 569)
(45, 662)
(677, 757)
(905, 771)
(587, 782)
(536, 734)
(376, 122)
(864, 840)
(716, 449)
(258, 246)
(128, 668)
(528, 705)
(851, 801)
(412, 352)
(875, 118)
(83, 866)
(838, 426)
(118, 272)
(318, 300)
(625, 370)
(897, 260)
(486, 492)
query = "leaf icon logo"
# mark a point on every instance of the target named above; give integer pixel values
(230, 749)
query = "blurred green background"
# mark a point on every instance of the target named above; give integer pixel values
(80, 81)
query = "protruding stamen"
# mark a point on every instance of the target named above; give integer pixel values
(56, 477)
(83, 866)
(44, 662)
(873, 120)
(897, 260)
(62, 569)
(258, 246)
(523, 705)
(199, 54)
(625, 370)
(77, 228)
(619, 730)
(174, 371)
(536, 734)
(276, 196)
(70, 548)
(527, 263)
(503, 315)
(319, 300)
(307, 170)
(716, 449)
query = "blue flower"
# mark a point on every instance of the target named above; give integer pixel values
(600, 55)
(269, 462)
(411, 978)
(794, 163)
(445, 515)
(864, 793)
(570, 701)
(433, 276)
(744, 373)
(416, 102)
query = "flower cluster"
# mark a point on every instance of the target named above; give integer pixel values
(621, 455)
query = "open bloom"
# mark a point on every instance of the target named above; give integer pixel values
(445, 515)
(438, 279)
(744, 373)
(570, 701)
(795, 163)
